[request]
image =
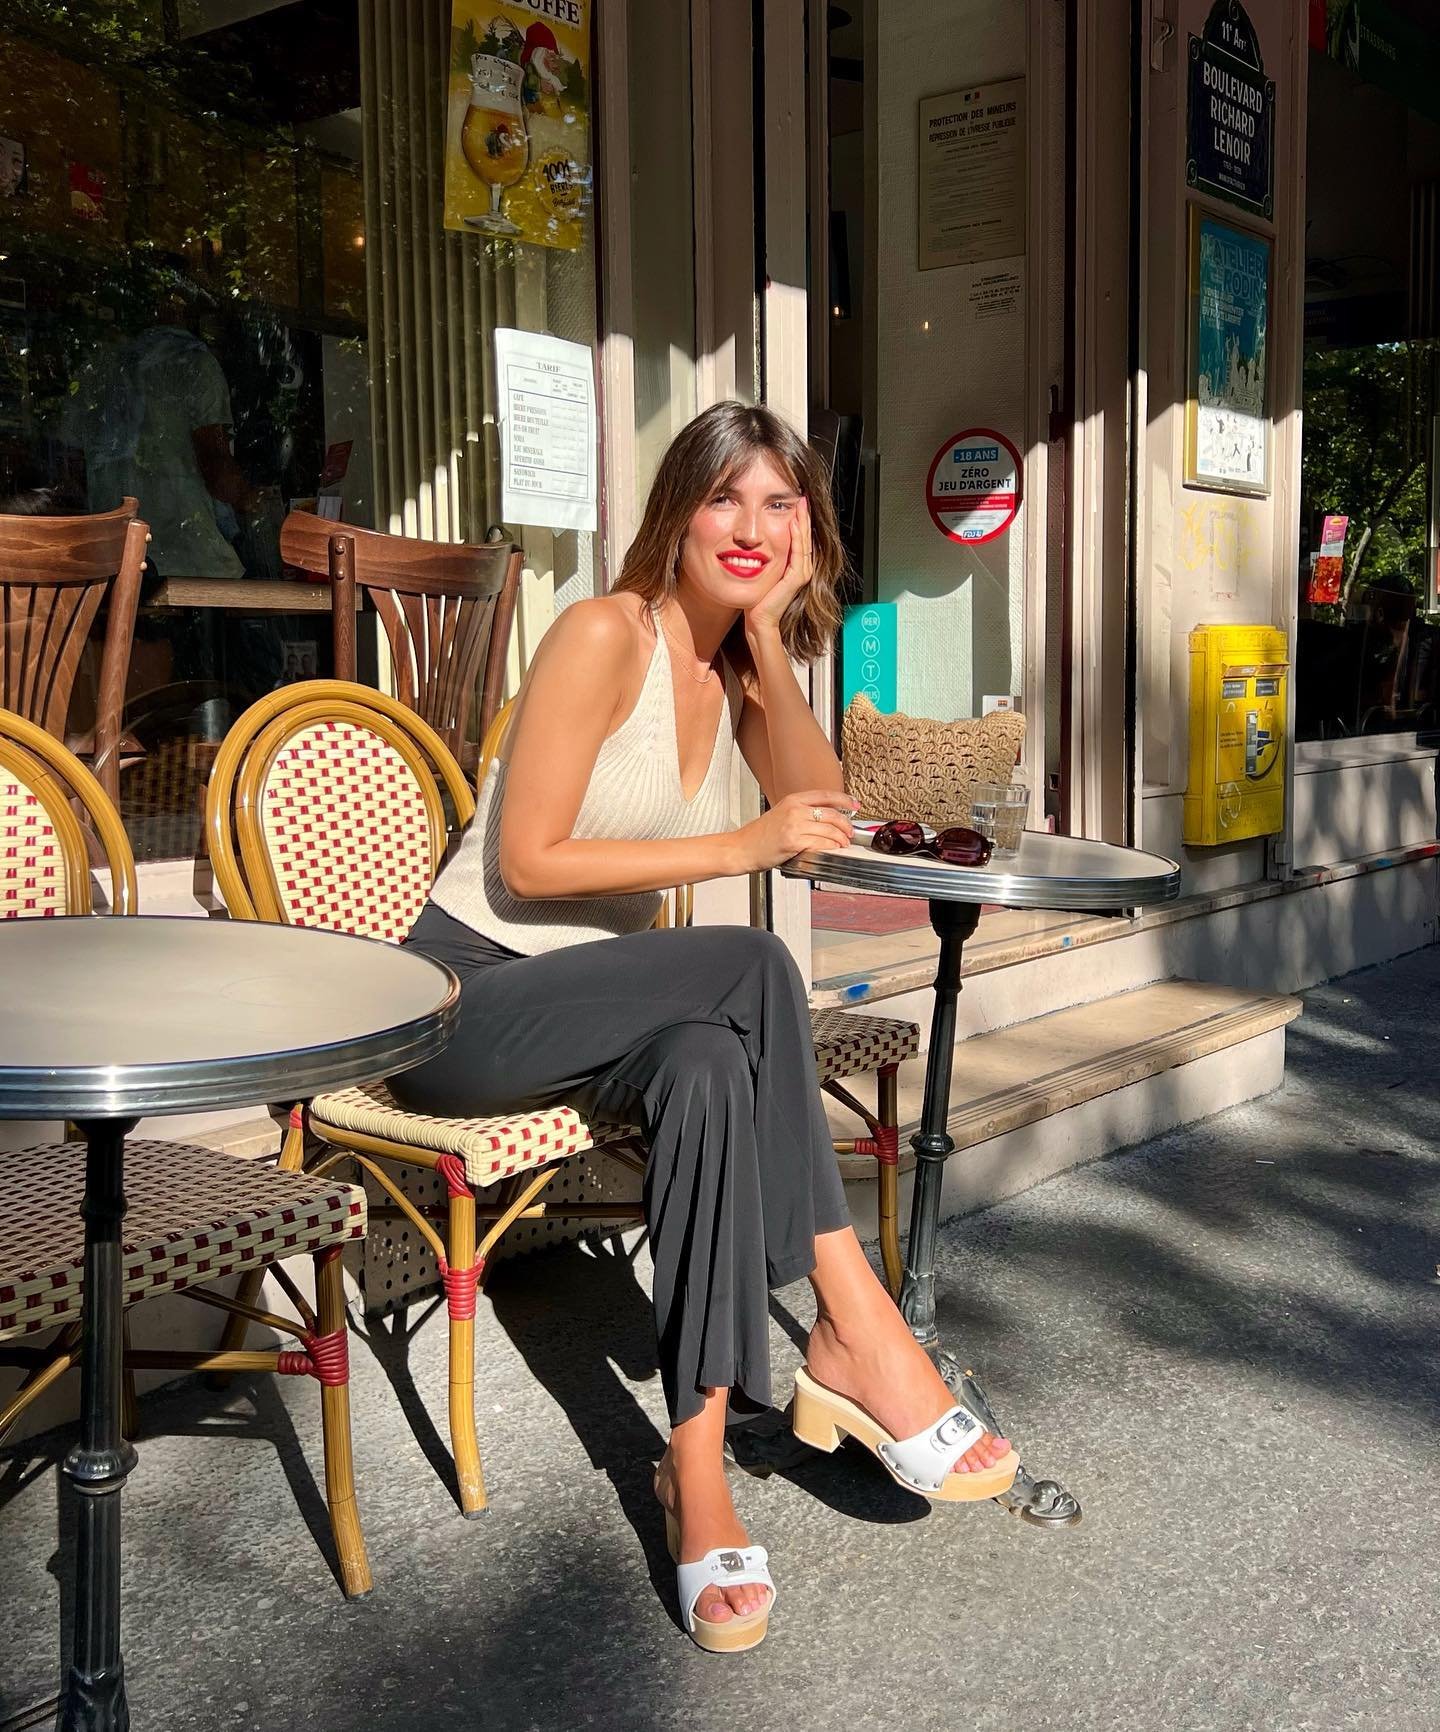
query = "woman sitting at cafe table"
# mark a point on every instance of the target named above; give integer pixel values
(615, 785)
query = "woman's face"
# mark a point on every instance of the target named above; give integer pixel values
(738, 544)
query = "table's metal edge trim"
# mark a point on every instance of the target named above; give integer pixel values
(91, 1091)
(1080, 895)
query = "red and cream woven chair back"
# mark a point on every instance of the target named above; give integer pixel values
(327, 807)
(55, 819)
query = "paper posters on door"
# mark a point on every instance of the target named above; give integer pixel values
(517, 122)
(972, 175)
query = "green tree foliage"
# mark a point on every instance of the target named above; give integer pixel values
(1364, 455)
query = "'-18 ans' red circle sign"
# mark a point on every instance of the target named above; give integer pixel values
(973, 488)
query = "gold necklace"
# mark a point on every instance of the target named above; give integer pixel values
(701, 679)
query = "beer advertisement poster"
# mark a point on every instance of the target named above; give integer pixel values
(517, 126)
(1227, 428)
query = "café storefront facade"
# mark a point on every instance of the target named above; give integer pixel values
(1062, 240)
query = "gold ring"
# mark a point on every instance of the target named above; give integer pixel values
(817, 813)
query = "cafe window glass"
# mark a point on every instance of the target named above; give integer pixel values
(923, 392)
(228, 290)
(1368, 642)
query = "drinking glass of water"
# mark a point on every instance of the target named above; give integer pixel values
(997, 810)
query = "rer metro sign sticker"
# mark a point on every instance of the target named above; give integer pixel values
(973, 488)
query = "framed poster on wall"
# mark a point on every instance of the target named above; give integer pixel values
(1227, 425)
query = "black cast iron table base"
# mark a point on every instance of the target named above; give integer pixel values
(766, 1444)
(1045, 1503)
(101, 1461)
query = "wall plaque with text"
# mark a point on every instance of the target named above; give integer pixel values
(1231, 113)
(972, 175)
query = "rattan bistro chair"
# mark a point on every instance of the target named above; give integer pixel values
(847, 1044)
(194, 1215)
(326, 808)
(54, 818)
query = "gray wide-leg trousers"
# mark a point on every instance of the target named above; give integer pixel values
(700, 1038)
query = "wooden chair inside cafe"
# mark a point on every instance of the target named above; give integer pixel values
(54, 574)
(447, 609)
(194, 1215)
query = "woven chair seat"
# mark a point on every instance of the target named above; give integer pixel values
(851, 1045)
(491, 1148)
(498, 1148)
(193, 1215)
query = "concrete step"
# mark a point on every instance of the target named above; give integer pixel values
(1044, 1095)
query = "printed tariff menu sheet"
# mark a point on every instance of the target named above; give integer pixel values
(547, 430)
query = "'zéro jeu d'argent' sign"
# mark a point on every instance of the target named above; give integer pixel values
(973, 489)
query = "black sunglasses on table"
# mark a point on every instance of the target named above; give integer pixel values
(955, 847)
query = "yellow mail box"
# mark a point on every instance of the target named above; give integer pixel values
(1238, 679)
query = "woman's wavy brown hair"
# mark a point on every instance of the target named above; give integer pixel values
(704, 458)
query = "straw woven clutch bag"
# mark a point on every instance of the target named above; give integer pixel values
(910, 767)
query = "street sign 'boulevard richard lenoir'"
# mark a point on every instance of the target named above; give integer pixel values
(1231, 112)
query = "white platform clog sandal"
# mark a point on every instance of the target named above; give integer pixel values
(921, 1463)
(722, 1567)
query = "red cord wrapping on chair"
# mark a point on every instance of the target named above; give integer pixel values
(326, 1358)
(297, 1116)
(452, 1169)
(884, 1145)
(460, 1285)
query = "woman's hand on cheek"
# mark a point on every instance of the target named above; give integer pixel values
(799, 569)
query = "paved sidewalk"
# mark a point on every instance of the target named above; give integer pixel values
(1224, 1341)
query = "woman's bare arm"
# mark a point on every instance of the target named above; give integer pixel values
(781, 741)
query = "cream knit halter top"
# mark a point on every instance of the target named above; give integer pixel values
(634, 795)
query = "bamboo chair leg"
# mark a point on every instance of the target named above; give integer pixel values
(462, 1278)
(888, 1188)
(232, 1340)
(39, 1378)
(464, 1440)
(355, 1575)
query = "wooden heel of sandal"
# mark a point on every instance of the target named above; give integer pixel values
(812, 1423)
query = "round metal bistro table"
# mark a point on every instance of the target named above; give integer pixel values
(1060, 872)
(105, 1020)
